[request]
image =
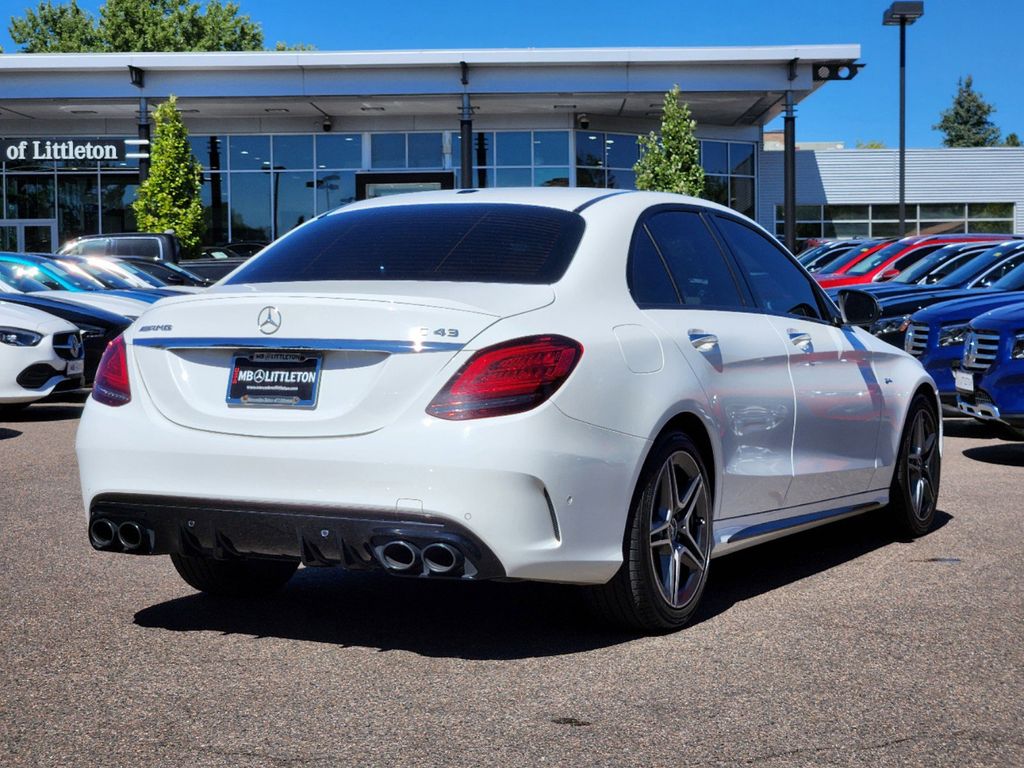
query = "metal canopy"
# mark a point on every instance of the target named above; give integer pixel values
(723, 86)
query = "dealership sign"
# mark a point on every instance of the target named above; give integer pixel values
(40, 150)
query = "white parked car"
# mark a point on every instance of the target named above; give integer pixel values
(570, 385)
(39, 354)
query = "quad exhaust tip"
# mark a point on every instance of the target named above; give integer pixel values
(399, 555)
(102, 533)
(441, 558)
(130, 535)
(436, 558)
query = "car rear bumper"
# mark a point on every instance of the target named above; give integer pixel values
(546, 494)
(356, 539)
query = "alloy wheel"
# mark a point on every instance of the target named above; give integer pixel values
(922, 463)
(680, 536)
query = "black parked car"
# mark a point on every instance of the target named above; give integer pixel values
(156, 246)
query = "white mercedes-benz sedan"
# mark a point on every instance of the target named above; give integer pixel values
(39, 354)
(597, 387)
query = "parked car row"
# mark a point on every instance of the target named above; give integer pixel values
(58, 313)
(956, 304)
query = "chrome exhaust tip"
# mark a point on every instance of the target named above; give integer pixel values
(130, 535)
(441, 558)
(102, 533)
(399, 555)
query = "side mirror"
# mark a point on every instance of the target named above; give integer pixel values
(889, 274)
(858, 307)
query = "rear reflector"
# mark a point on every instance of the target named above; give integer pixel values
(507, 378)
(111, 385)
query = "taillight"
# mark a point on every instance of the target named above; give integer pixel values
(507, 378)
(111, 385)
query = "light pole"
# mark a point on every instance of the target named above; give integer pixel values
(902, 15)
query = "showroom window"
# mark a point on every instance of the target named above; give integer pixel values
(882, 220)
(516, 158)
(729, 174)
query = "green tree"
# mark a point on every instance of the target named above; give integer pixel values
(966, 123)
(874, 144)
(55, 29)
(136, 25)
(1012, 140)
(670, 162)
(169, 198)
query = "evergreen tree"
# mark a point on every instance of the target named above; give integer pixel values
(169, 198)
(670, 162)
(1012, 140)
(966, 123)
(136, 25)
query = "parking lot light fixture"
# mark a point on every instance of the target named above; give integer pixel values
(902, 14)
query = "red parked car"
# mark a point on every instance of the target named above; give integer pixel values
(886, 263)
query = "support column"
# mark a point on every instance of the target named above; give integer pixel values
(789, 163)
(466, 132)
(903, 126)
(144, 136)
(466, 147)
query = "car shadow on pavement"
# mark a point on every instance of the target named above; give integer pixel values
(7, 434)
(970, 428)
(751, 572)
(43, 412)
(493, 620)
(478, 621)
(1005, 454)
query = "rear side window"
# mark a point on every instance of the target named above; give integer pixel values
(471, 242)
(648, 278)
(780, 285)
(914, 256)
(697, 265)
(137, 246)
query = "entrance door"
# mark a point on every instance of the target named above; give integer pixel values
(28, 235)
(369, 185)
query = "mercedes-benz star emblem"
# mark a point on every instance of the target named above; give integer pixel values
(76, 347)
(972, 349)
(269, 320)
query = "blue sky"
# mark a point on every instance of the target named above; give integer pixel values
(955, 38)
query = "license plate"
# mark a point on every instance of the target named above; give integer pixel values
(75, 367)
(964, 381)
(274, 379)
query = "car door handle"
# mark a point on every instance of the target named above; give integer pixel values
(702, 340)
(801, 340)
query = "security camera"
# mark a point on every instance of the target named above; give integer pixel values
(583, 120)
(327, 125)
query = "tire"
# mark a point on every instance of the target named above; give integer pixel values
(662, 541)
(234, 578)
(914, 491)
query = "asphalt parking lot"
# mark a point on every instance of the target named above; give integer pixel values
(841, 646)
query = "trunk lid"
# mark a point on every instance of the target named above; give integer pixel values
(376, 347)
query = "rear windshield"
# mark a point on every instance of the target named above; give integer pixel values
(471, 242)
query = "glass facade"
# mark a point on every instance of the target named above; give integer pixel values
(882, 220)
(257, 187)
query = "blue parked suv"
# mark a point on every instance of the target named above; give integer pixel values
(990, 379)
(936, 334)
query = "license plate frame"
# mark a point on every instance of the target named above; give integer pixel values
(274, 379)
(964, 380)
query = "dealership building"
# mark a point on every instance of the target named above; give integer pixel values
(283, 136)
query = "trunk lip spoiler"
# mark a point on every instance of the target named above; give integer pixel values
(391, 346)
